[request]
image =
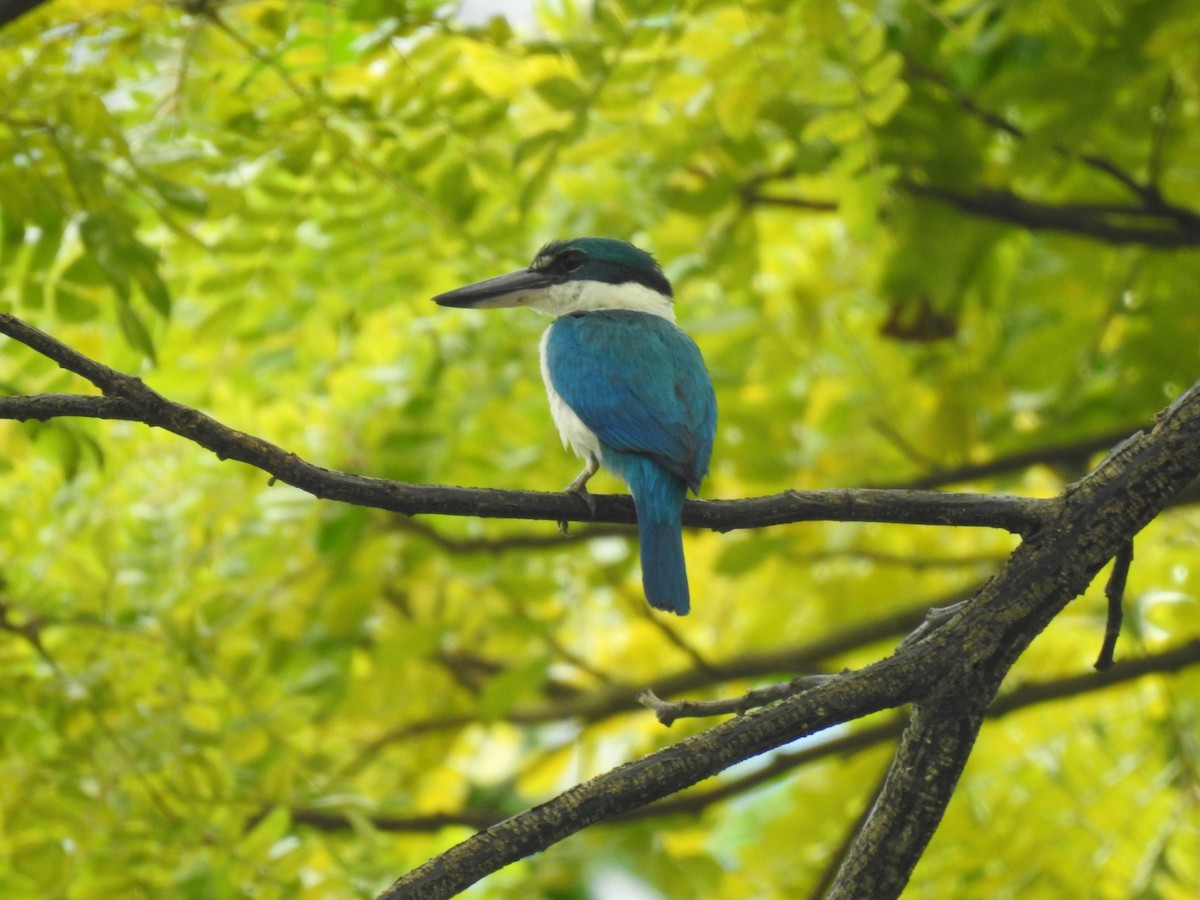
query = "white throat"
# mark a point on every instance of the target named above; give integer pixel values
(584, 296)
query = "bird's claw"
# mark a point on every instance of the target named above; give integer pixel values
(580, 491)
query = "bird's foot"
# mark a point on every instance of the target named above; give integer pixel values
(580, 491)
(578, 487)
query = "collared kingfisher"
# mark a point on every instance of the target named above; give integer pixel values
(628, 390)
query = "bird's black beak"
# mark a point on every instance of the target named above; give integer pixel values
(514, 289)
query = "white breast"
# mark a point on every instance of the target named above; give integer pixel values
(571, 429)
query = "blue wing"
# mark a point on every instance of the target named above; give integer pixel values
(639, 383)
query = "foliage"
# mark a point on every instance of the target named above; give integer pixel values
(908, 237)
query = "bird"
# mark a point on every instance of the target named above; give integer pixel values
(628, 389)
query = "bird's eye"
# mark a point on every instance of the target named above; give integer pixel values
(572, 260)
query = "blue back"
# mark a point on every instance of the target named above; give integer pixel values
(639, 383)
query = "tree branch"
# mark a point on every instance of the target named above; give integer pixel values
(42, 407)
(951, 676)
(1097, 519)
(127, 397)
(1154, 225)
(667, 711)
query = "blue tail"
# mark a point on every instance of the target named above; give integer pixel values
(658, 496)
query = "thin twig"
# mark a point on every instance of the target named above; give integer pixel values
(667, 711)
(1114, 593)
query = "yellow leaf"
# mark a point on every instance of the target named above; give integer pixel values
(881, 108)
(737, 105)
(837, 126)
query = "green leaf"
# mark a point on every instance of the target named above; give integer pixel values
(153, 287)
(298, 151)
(837, 126)
(73, 306)
(880, 109)
(86, 113)
(85, 271)
(373, 10)
(69, 445)
(426, 151)
(871, 41)
(137, 335)
(121, 256)
(45, 249)
(588, 55)
(882, 72)
(189, 199)
(33, 293)
(455, 190)
(266, 831)
(502, 692)
(106, 241)
(561, 93)
(737, 104)
(534, 144)
(341, 533)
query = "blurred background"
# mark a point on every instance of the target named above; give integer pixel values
(947, 243)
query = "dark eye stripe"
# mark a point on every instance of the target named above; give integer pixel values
(573, 260)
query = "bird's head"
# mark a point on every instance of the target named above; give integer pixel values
(575, 276)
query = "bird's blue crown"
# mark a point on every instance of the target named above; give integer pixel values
(601, 259)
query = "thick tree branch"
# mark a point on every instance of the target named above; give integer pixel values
(127, 397)
(950, 675)
(936, 744)
(1098, 518)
